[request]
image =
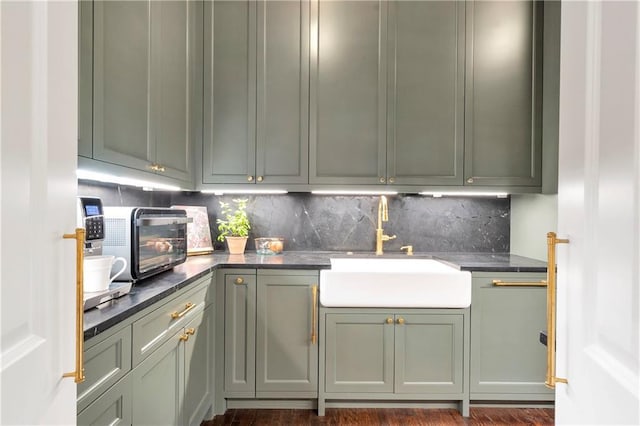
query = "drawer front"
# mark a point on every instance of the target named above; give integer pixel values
(105, 363)
(156, 327)
(113, 408)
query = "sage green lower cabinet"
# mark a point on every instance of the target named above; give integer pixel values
(269, 335)
(390, 354)
(507, 360)
(111, 408)
(156, 367)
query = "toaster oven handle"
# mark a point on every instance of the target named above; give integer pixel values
(162, 220)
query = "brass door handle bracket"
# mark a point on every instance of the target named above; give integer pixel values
(189, 306)
(79, 236)
(500, 283)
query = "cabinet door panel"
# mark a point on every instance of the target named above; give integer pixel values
(176, 57)
(198, 386)
(239, 336)
(506, 355)
(503, 102)
(158, 384)
(359, 353)
(348, 92)
(230, 87)
(122, 56)
(426, 92)
(283, 91)
(429, 354)
(287, 360)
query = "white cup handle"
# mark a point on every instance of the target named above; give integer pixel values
(124, 266)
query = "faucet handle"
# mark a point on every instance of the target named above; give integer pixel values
(388, 237)
(409, 250)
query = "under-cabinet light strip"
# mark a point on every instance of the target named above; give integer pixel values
(465, 194)
(107, 178)
(244, 191)
(352, 192)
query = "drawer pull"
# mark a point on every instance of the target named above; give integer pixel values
(190, 331)
(239, 281)
(541, 283)
(184, 337)
(189, 306)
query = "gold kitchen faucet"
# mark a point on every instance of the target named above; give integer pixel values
(383, 216)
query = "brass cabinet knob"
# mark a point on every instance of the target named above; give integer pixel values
(389, 320)
(260, 179)
(392, 180)
(184, 337)
(382, 180)
(400, 320)
(249, 178)
(470, 180)
(239, 281)
(190, 331)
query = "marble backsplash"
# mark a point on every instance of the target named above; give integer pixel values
(345, 223)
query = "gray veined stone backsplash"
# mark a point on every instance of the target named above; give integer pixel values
(346, 223)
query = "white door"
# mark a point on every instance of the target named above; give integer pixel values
(598, 210)
(38, 140)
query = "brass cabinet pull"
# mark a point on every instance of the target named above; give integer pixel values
(470, 180)
(260, 178)
(79, 236)
(189, 306)
(392, 180)
(389, 320)
(190, 331)
(400, 320)
(500, 283)
(156, 167)
(249, 178)
(239, 281)
(551, 378)
(314, 313)
(382, 180)
(184, 337)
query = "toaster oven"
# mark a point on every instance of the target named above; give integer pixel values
(151, 239)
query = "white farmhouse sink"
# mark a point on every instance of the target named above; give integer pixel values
(394, 283)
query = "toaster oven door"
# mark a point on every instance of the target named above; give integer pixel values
(161, 242)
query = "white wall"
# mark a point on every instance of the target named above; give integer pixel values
(532, 216)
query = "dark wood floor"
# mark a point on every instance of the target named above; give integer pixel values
(387, 416)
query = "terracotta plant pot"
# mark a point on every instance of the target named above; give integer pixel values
(236, 245)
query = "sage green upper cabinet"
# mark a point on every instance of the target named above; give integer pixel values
(387, 100)
(503, 93)
(147, 84)
(348, 92)
(425, 108)
(256, 86)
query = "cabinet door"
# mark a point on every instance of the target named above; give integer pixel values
(198, 386)
(239, 336)
(283, 92)
(348, 92)
(122, 57)
(176, 85)
(85, 78)
(359, 353)
(286, 357)
(429, 353)
(507, 359)
(158, 385)
(426, 92)
(503, 93)
(112, 408)
(230, 92)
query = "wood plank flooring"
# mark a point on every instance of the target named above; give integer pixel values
(387, 417)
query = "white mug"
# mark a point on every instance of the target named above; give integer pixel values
(97, 270)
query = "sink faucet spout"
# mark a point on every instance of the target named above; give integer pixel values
(383, 216)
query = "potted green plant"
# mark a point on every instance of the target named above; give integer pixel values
(234, 225)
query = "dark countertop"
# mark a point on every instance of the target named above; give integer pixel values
(149, 291)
